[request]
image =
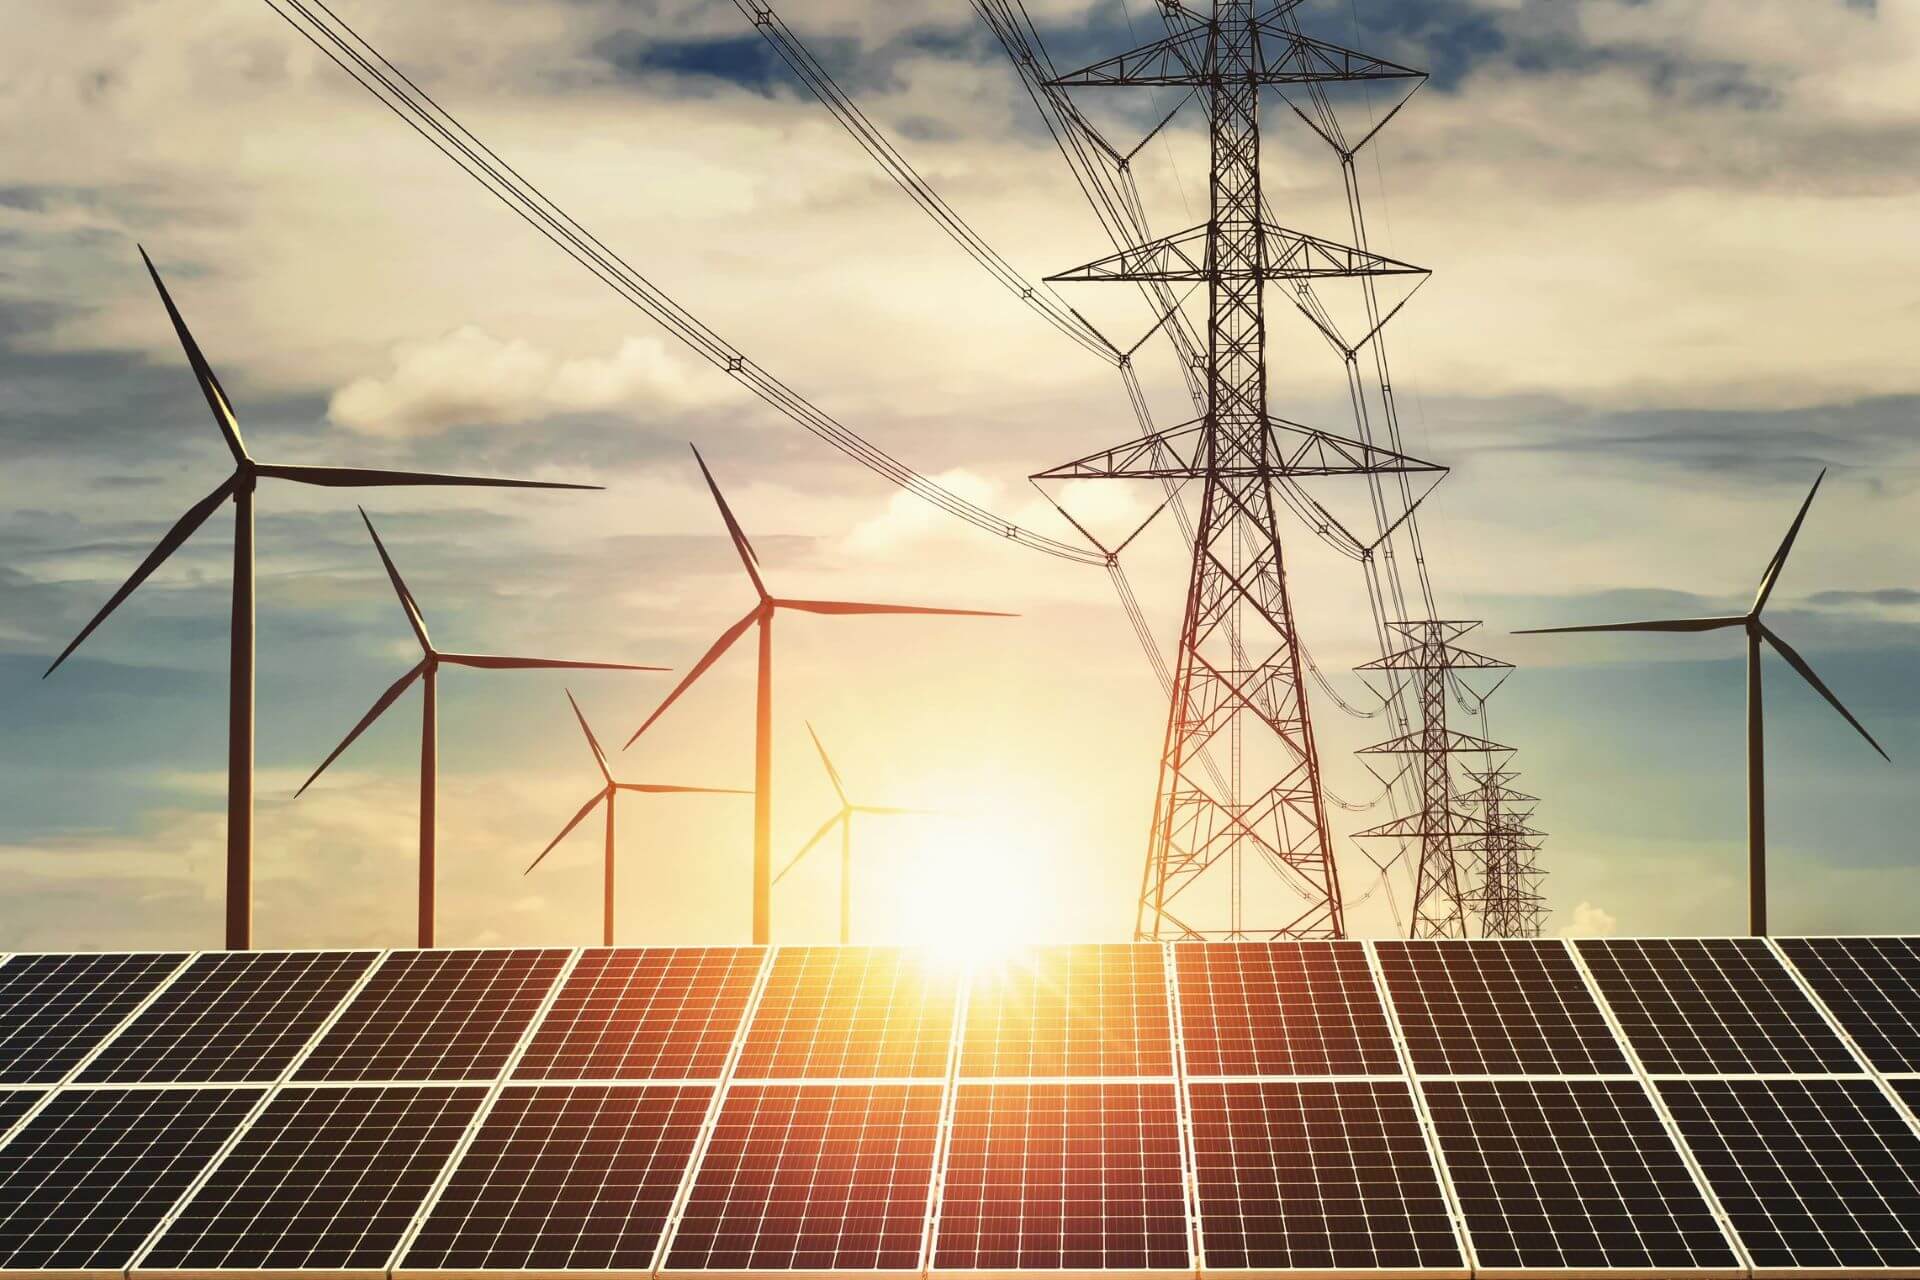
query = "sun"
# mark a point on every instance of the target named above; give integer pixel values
(970, 896)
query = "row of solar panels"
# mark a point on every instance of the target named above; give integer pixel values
(1706, 1107)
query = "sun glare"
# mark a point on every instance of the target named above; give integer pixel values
(964, 898)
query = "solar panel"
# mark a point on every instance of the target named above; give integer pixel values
(1557, 1174)
(849, 1012)
(1909, 1091)
(1317, 1176)
(1707, 1005)
(231, 1016)
(436, 1015)
(1813, 1172)
(1070, 1011)
(660, 1013)
(1497, 1008)
(812, 1178)
(1872, 985)
(1281, 1009)
(54, 1009)
(325, 1178)
(1064, 1177)
(86, 1180)
(562, 1178)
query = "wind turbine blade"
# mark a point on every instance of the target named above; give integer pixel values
(740, 543)
(1779, 561)
(599, 756)
(407, 602)
(183, 528)
(368, 477)
(851, 607)
(374, 712)
(203, 372)
(578, 818)
(492, 662)
(1799, 664)
(671, 789)
(699, 669)
(807, 848)
(1658, 624)
(833, 774)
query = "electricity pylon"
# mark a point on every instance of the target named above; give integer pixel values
(1441, 828)
(1239, 664)
(1506, 891)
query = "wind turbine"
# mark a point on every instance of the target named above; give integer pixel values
(247, 473)
(427, 671)
(609, 793)
(762, 615)
(844, 820)
(1756, 756)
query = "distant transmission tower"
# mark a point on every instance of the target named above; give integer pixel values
(1506, 891)
(1237, 688)
(1441, 829)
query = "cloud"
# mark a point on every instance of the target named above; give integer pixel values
(1891, 597)
(1589, 921)
(471, 378)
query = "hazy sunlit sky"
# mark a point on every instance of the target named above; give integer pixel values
(1676, 264)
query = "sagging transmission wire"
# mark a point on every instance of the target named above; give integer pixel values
(347, 49)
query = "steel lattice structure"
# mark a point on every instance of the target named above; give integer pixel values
(1441, 828)
(1506, 893)
(1239, 665)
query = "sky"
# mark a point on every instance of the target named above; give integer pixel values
(1673, 261)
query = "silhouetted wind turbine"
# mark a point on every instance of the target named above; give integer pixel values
(427, 671)
(844, 820)
(1756, 756)
(247, 472)
(762, 615)
(610, 794)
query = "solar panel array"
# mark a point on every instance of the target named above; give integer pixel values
(1653, 1107)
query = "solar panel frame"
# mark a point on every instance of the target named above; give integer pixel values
(358, 1046)
(1449, 998)
(52, 1066)
(1110, 1001)
(1224, 1011)
(1870, 988)
(303, 990)
(130, 1150)
(789, 1037)
(1711, 1006)
(603, 977)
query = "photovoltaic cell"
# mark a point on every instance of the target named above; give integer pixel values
(54, 1009)
(1497, 1008)
(1712, 1005)
(1872, 985)
(565, 1177)
(1070, 1011)
(1571, 1174)
(88, 1178)
(1813, 1173)
(15, 1103)
(1909, 1091)
(1280, 1009)
(1317, 1176)
(812, 1178)
(848, 1012)
(436, 1015)
(231, 1016)
(1082, 1177)
(325, 1178)
(659, 1013)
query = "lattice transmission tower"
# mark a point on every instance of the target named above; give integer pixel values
(1238, 691)
(1505, 894)
(1444, 828)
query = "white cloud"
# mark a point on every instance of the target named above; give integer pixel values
(1589, 921)
(471, 378)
